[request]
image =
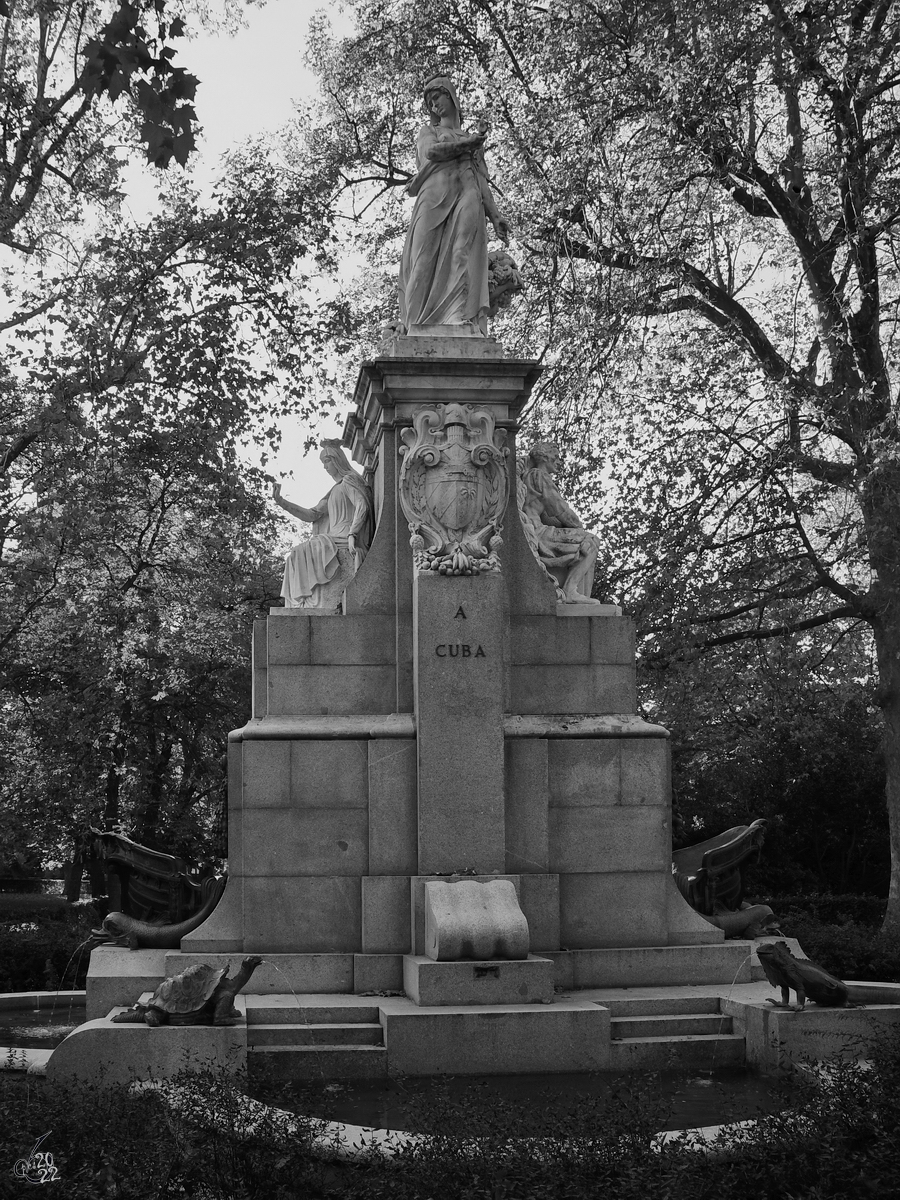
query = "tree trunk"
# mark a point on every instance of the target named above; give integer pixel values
(72, 879)
(111, 806)
(887, 644)
(881, 512)
(153, 793)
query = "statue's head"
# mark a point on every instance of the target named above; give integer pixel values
(333, 458)
(114, 929)
(544, 453)
(437, 85)
(335, 461)
(774, 950)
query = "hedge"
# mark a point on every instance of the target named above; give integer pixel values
(37, 947)
(840, 1139)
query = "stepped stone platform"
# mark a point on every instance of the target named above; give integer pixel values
(345, 1036)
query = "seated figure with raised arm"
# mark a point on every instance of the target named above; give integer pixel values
(318, 569)
(562, 545)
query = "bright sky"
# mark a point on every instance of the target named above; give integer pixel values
(250, 84)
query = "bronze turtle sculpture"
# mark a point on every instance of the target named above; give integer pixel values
(199, 995)
(804, 977)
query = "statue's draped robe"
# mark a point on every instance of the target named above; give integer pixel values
(344, 511)
(444, 268)
(557, 531)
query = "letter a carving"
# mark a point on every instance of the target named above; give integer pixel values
(460, 612)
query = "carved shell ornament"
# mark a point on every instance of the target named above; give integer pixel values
(454, 484)
(188, 991)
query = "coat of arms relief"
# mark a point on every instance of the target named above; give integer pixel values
(454, 484)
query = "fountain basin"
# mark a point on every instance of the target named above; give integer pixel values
(39, 1020)
(685, 1100)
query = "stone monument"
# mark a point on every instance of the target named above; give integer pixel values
(472, 711)
(467, 716)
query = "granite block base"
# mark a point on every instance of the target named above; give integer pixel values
(108, 1055)
(652, 966)
(501, 981)
(569, 1035)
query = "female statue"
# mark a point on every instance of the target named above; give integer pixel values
(317, 570)
(566, 550)
(444, 268)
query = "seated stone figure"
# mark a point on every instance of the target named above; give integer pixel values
(566, 550)
(318, 569)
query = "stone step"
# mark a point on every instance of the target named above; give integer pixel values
(317, 1062)
(310, 1010)
(669, 1025)
(653, 967)
(354, 1034)
(703, 1052)
(621, 1004)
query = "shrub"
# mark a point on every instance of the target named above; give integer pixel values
(38, 950)
(850, 951)
(835, 910)
(839, 1140)
(29, 904)
(841, 934)
(108, 1142)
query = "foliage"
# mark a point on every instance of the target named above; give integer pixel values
(840, 1139)
(136, 540)
(849, 949)
(110, 1142)
(785, 731)
(830, 909)
(123, 685)
(38, 952)
(123, 50)
(78, 78)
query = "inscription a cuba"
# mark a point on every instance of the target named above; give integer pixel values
(459, 650)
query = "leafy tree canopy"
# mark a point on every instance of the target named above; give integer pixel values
(139, 359)
(81, 80)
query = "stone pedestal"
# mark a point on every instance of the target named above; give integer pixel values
(501, 981)
(459, 654)
(446, 724)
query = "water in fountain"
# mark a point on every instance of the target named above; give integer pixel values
(79, 951)
(704, 1077)
(305, 1021)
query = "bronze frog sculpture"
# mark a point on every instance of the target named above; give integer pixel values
(785, 971)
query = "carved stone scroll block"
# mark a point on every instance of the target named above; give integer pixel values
(453, 488)
(476, 920)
